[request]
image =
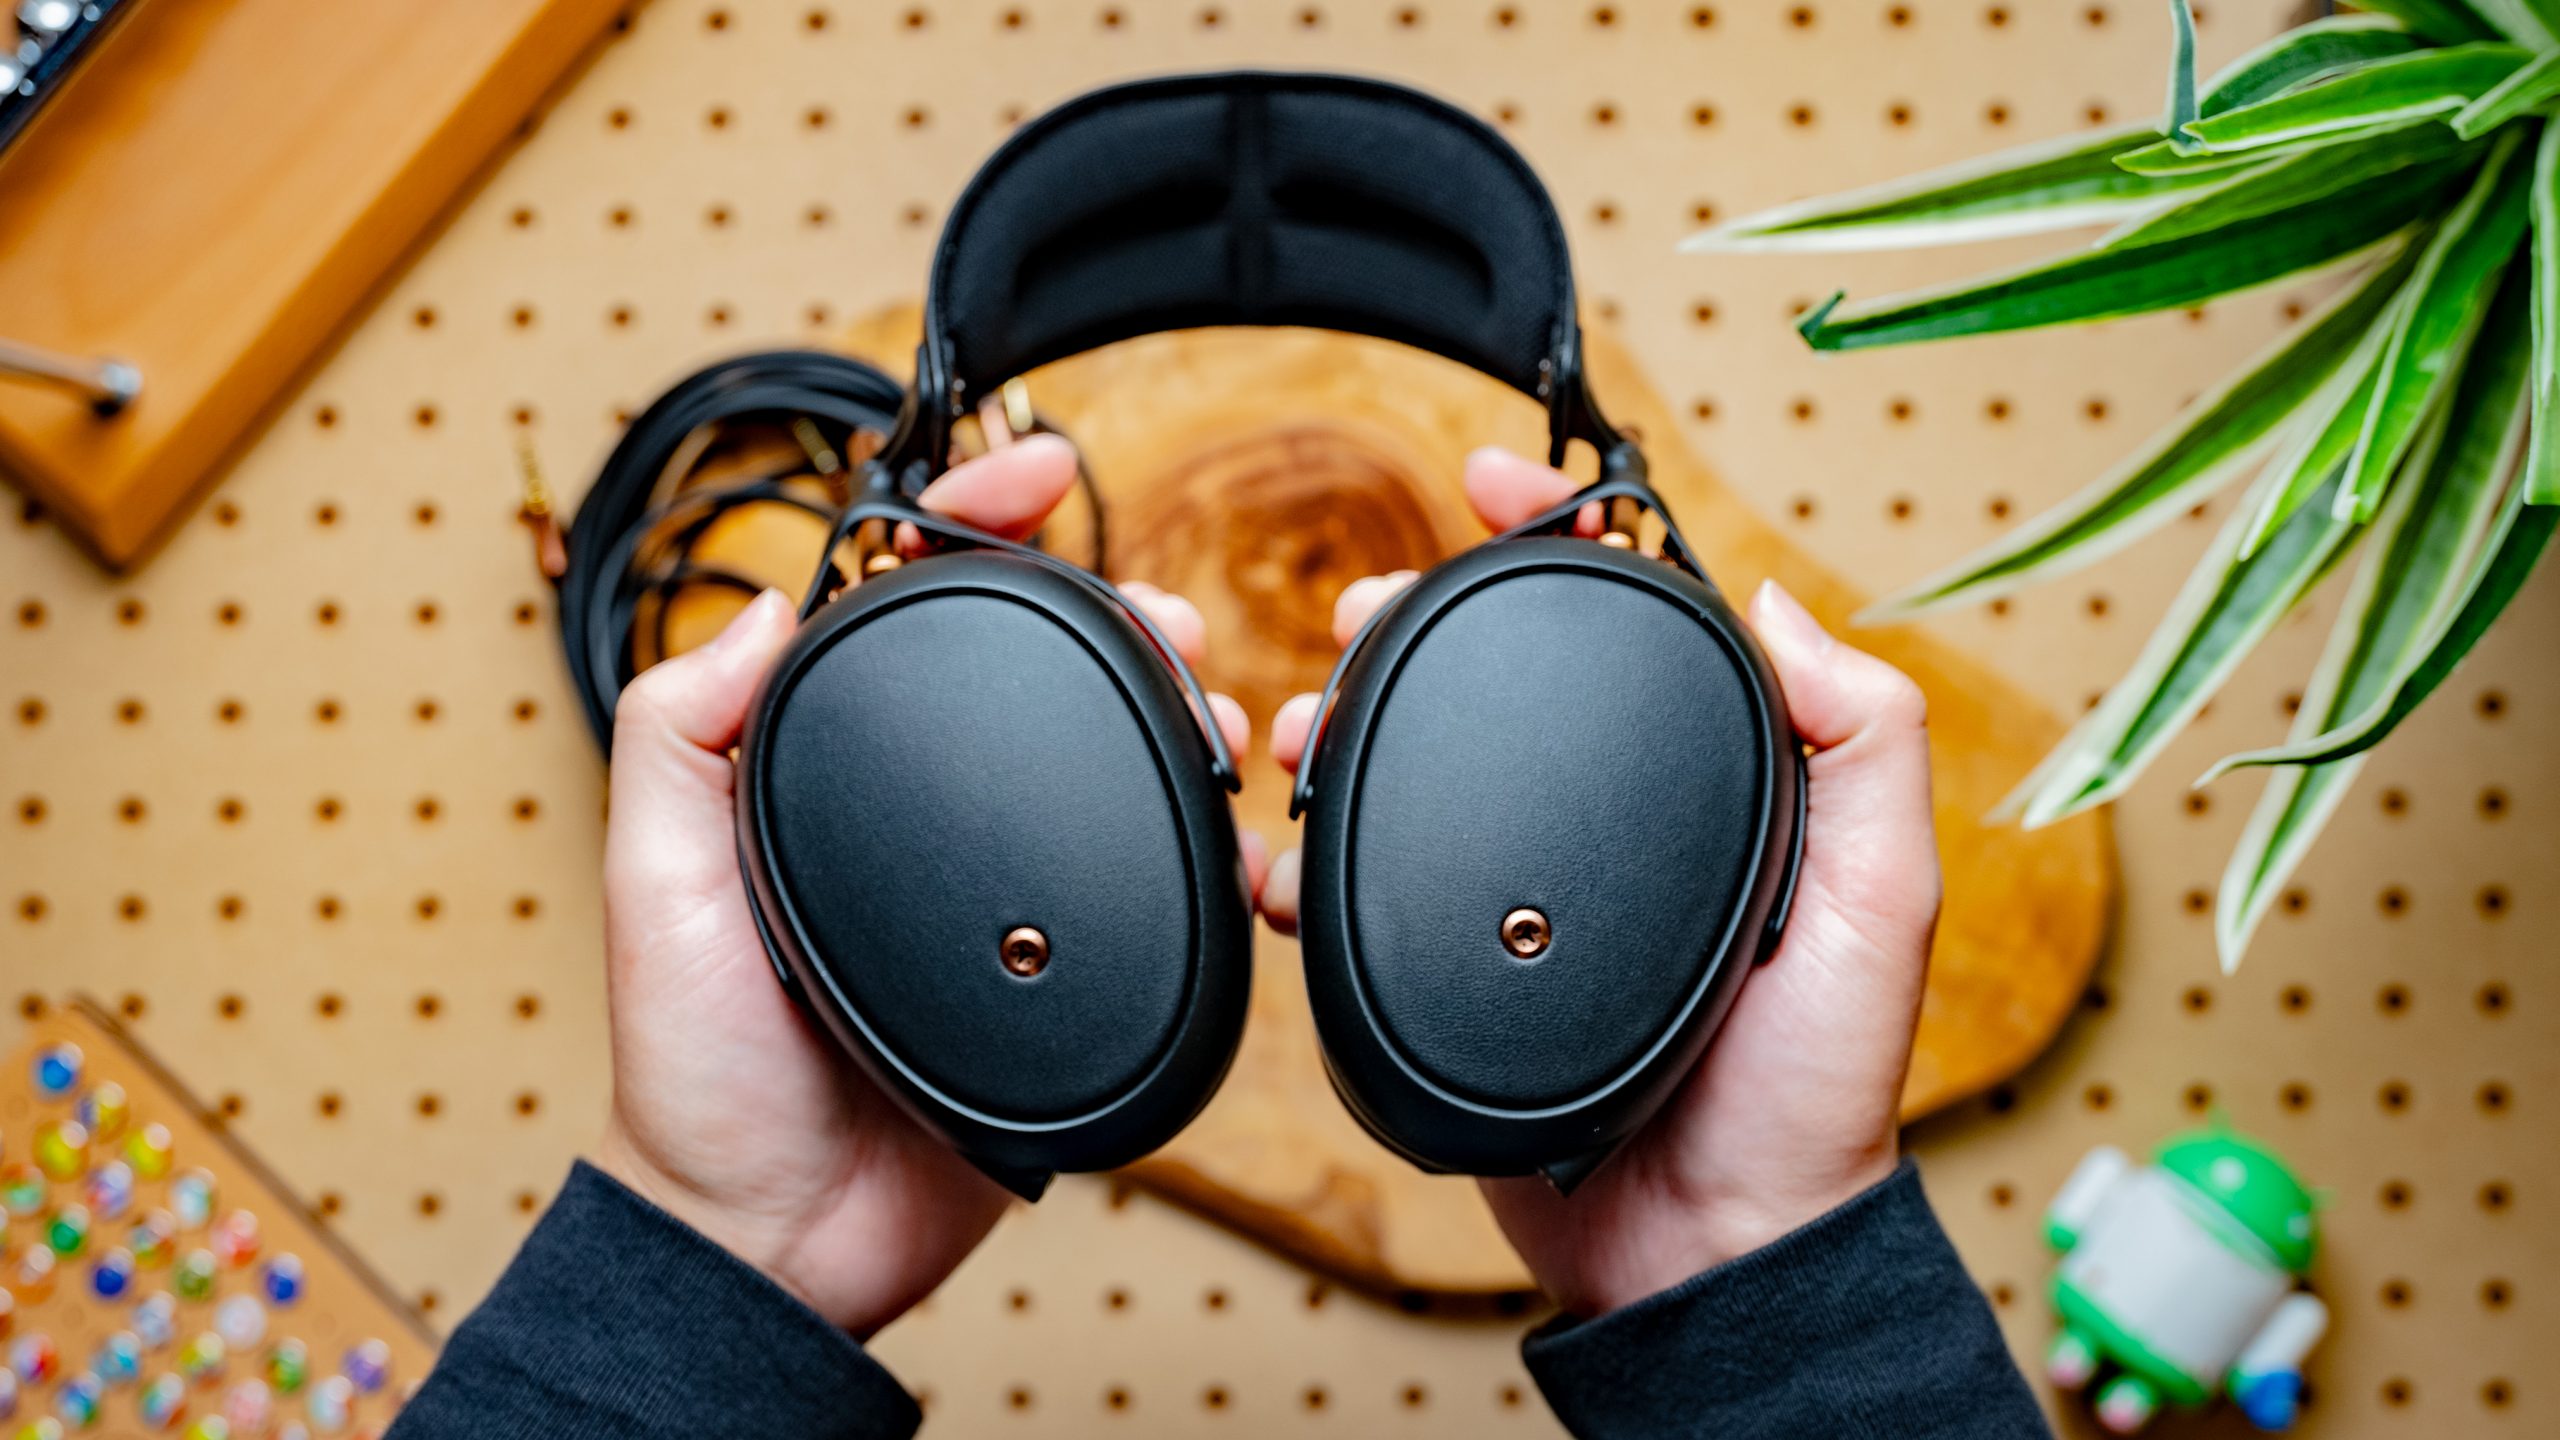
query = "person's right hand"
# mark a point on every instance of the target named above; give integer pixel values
(1794, 1109)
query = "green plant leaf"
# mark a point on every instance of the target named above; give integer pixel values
(2026, 191)
(2218, 438)
(2542, 462)
(2529, 87)
(2282, 184)
(2449, 295)
(2430, 542)
(2182, 67)
(2328, 427)
(2226, 606)
(2162, 160)
(2526, 22)
(2304, 53)
(2447, 22)
(2443, 541)
(2109, 283)
(2430, 83)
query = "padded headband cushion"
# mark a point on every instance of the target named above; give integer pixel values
(1251, 199)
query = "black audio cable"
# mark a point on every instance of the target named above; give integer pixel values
(631, 545)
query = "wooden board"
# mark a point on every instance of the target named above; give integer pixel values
(210, 197)
(1259, 472)
(336, 1305)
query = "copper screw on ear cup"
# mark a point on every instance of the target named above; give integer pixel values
(1026, 951)
(1525, 933)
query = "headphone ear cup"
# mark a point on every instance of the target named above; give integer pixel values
(1553, 824)
(989, 853)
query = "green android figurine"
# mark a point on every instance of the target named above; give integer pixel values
(2182, 1279)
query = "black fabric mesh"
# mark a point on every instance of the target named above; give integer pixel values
(1252, 199)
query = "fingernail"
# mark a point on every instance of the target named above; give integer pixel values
(745, 622)
(1782, 620)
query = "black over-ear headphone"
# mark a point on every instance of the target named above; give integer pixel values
(1553, 808)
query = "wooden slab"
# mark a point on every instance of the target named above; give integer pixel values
(211, 197)
(1258, 472)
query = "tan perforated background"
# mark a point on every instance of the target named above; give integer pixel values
(307, 799)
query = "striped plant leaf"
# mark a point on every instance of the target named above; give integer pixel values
(2163, 160)
(2431, 543)
(2304, 53)
(2447, 22)
(2282, 184)
(2227, 605)
(2534, 85)
(2105, 284)
(2026, 191)
(2526, 22)
(2438, 534)
(2542, 463)
(2449, 296)
(2182, 68)
(2328, 427)
(2219, 438)
(2427, 84)
(2518, 549)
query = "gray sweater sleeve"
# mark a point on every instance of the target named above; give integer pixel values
(617, 1320)
(1861, 1324)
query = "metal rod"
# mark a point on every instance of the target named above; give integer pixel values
(110, 384)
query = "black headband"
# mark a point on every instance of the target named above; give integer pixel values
(1251, 199)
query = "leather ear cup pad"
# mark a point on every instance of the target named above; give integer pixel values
(1551, 729)
(967, 748)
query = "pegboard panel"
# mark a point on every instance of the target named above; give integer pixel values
(308, 803)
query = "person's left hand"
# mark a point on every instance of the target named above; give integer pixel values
(729, 1111)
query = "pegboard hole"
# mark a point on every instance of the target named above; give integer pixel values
(2393, 1097)
(2002, 1195)
(2197, 902)
(1800, 115)
(2496, 1196)
(2392, 999)
(430, 1105)
(31, 810)
(1801, 17)
(324, 515)
(2493, 803)
(327, 613)
(1414, 1396)
(429, 907)
(424, 417)
(2198, 999)
(528, 1005)
(2492, 704)
(2198, 1098)
(2397, 1392)
(526, 907)
(330, 1103)
(426, 711)
(2395, 801)
(429, 1005)
(2496, 1294)
(1315, 1397)
(2397, 1195)
(1995, 114)
(226, 514)
(330, 1004)
(2493, 1098)
(2493, 902)
(2098, 1097)
(231, 1006)
(2295, 1096)
(1214, 1300)
(2394, 901)
(132, 1006)
(131, 612)
(2493, 998)
(131, 810)
(327, 907)
(430, 1204)
(230, 712)
(1115, 1299)
(2497, 1394)
(132, 908)
(328, 712)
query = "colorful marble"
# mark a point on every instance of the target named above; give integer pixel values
(288, 1365)
(200, 1359)
(153, 1240)
(235, 1239)
(330, 1405)
(210, 1427)
(163, 1401)
(47, 1428)
(8, 1393)
(32, 1276)
(77, 1401)
(68, 1230)
(110, 1190)
(155, 1320)
(150, 1149)
(119, 1359)
(111, 1278)
(194, 1276)
(241, 1322)
(34, 1359)
(21, 1190)
(368, 1365)
(62, 1149)
(191, 1198)
(250, 1407)
(104, 1108)
(282, 1279)
(57, 1070)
